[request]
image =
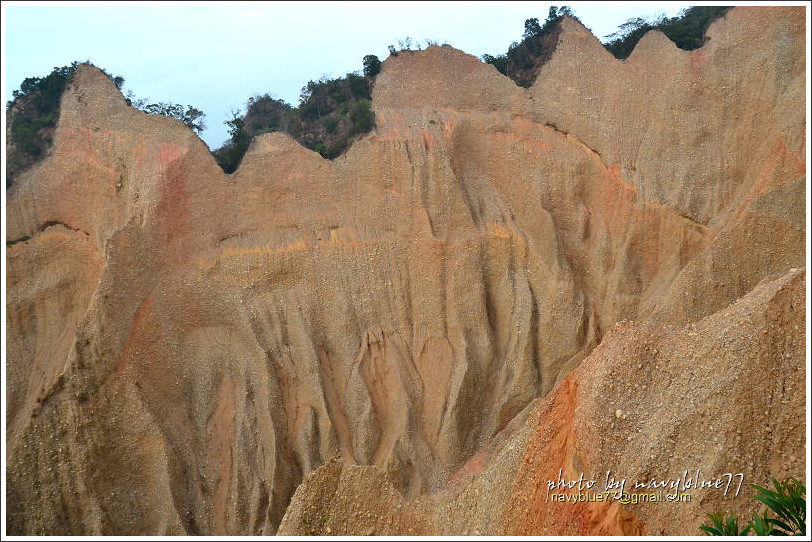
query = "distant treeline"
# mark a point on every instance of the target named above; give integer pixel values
(34, 110)
(524, 58)
(32, 116)
(686, 30)
(331, 113)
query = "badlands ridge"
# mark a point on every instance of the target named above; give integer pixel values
(496, 287)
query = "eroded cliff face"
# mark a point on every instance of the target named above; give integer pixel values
(653, 404)
(184, 346)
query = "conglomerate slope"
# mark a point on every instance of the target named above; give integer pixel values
(185, 346)
(691, 413)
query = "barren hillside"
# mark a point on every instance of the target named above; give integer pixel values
(458, 307)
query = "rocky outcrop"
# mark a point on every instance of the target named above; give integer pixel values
(185, 346)
(661, 409)
(711, 134)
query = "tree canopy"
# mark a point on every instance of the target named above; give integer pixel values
(686, 30)
(331, 111)
(34, 111)
(32, 115)
(191, 116)
(330, 114)
(523, 59)
(372, 66)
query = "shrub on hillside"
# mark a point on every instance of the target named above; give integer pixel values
(331, 113)
(785, 513)
(33, 113)
(686, 30)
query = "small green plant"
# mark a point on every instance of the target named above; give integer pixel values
(787, 502)
(761, 525)
(725, 527)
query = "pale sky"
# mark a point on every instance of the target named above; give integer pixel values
(215, 55)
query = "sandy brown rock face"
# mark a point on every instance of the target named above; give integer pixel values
(715, 135)
(652, 404)
(338, 511)
(722, 395)
(186, 346)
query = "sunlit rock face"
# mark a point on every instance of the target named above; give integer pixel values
(184, 346)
